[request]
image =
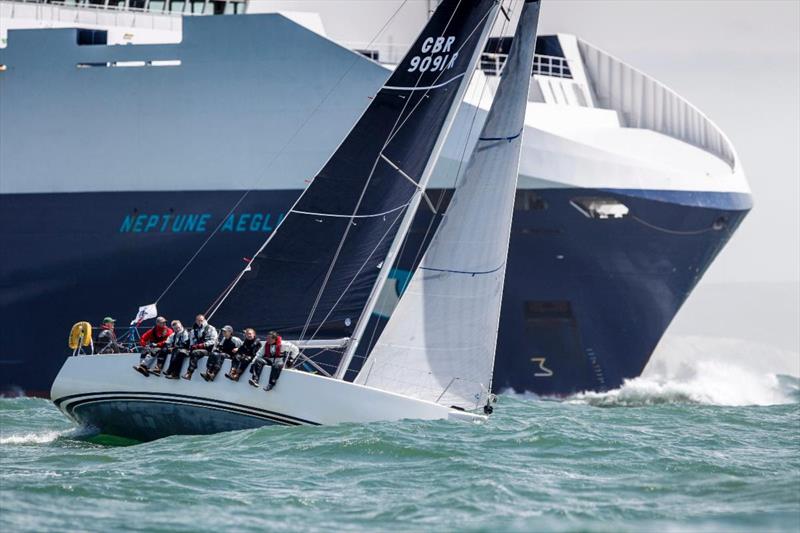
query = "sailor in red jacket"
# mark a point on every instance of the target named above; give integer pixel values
(152, 342)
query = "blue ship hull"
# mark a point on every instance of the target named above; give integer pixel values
(585, 303)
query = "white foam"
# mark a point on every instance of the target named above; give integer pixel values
(31, 438)
(705, 370)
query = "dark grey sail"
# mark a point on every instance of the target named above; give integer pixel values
(315, 274)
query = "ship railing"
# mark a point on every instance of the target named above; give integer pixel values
(163, 7)
(543, 65)
(643, 102)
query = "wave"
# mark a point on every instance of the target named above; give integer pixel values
(710, 371)
(32, 438)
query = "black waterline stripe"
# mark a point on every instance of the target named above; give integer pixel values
(73, 406)
(179, 396)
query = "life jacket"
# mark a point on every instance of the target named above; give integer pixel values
(273, 350)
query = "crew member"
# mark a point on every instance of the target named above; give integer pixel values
(275, 353)
(107, 339)
(247, 351)
(152, 342)
(178, 345)
(228, 346)
(204, 337)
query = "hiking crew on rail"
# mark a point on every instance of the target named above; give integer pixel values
(161, 341)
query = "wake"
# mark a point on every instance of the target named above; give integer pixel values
(47, 437)
(708, 371)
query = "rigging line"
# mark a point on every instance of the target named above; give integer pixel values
(374, 215)
(410, 179)
(346, 232)
(361, 268)
(224, 291)
(358, 204)
(440, 200)
(288, 142)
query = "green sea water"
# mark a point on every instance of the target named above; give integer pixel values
(647, 457)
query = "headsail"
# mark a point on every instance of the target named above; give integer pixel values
(439, 343)
(315, 274)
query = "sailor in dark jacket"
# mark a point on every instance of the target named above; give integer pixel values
(204, 338)
(107, 340)
(228, 346)
(178, 345)
(249, 349)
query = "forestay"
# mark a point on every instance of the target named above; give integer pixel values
(439, 343)
(314, 275)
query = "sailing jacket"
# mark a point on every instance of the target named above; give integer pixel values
(227, 346)
(205, 335)
(178, 340)
(249, 348)
(106, 341)
(289, 349)
(157, 335)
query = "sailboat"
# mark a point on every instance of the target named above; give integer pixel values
(334, 249)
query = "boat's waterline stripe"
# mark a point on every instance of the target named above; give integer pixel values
(71, 408)
(425, 88)
(74, 400)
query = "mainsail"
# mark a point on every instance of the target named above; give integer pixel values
(316, 273)
(439, 343)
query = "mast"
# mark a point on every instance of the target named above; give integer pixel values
(411, 210)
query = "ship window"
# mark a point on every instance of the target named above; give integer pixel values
(372, 54)
(527, 200)
(197, 7)
(156, 5)
(177, 6)
(128, 64)
(92, 37)
(599, 207)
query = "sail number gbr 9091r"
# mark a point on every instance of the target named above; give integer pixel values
(440, 59)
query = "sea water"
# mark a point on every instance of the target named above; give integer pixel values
(712, 447)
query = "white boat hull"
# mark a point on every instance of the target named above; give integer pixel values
(104, 392)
